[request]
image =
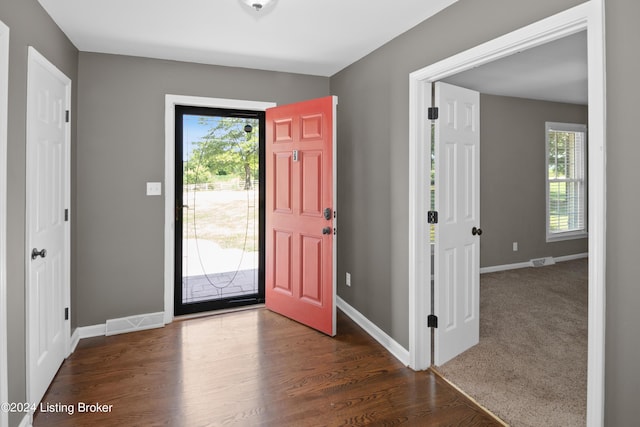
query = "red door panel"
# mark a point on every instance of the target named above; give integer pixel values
(300, 279)
(282, 263)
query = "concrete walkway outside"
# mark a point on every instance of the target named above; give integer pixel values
(211, 272)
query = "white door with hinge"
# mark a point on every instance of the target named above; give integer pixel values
(457, 233)
(47, 239)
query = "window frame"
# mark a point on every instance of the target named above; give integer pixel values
(571, 234)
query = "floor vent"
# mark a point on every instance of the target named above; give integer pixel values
(542, 262)
(134, 323)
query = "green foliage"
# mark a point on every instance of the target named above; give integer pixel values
(562, 146)
(195, 172)
(226, 149)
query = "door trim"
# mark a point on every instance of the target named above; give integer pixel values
(169, 176)
(228, 302)
(4, 86)
(35, 57)
(589, 16)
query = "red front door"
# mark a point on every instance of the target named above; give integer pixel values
(300, 213)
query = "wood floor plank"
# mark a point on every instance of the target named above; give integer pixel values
(251, 368)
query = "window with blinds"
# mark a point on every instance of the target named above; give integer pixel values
(566, 181)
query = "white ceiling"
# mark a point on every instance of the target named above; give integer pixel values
(317, 37)
(556, 71)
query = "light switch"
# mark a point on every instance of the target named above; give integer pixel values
(154, 188)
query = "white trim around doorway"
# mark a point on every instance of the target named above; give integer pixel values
(4, 89)
(169, 176)
(587, 16)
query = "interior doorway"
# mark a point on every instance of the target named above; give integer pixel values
(219, 200)
(586, 16)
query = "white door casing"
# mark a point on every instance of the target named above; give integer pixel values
(169, 176)
(457, 197)
(4, 89)
(48, 190)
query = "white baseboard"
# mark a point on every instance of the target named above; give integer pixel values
(376, 333)
(504, 267)
(529, 264)
(91, 331)
(122, 325)
(139, 322)
(85, 332)
(571, 257)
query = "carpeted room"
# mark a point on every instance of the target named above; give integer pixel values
(530, 365)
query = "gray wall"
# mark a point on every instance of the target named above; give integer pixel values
(29, 26)
(622, 376)
(512, 178)
(372, 164)
(120, 255)
(373, 151)
(373, 135)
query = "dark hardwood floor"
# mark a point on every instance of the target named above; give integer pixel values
(250, 368)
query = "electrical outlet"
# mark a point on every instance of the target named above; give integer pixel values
(348, 279)
(515, 246)
(154, 188)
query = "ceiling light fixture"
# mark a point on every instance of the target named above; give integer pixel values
(257, 5)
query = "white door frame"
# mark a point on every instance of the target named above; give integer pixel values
(4, 89)
(35, 56)
(169, 176)
(589, 16)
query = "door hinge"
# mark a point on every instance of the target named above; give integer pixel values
(66, 313)
(432, 321)
(432, 217)
(67, 116)
(432, 113)
(66, 215)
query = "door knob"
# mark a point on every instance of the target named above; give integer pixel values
(326, 230)
(476, 231)
(36, 253)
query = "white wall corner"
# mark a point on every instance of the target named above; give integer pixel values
(392, 346)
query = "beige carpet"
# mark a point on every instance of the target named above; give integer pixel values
(530, 367)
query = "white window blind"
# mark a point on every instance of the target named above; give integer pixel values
(566, 180)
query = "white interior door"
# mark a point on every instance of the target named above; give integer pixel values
(48, 98)
(457, 240)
